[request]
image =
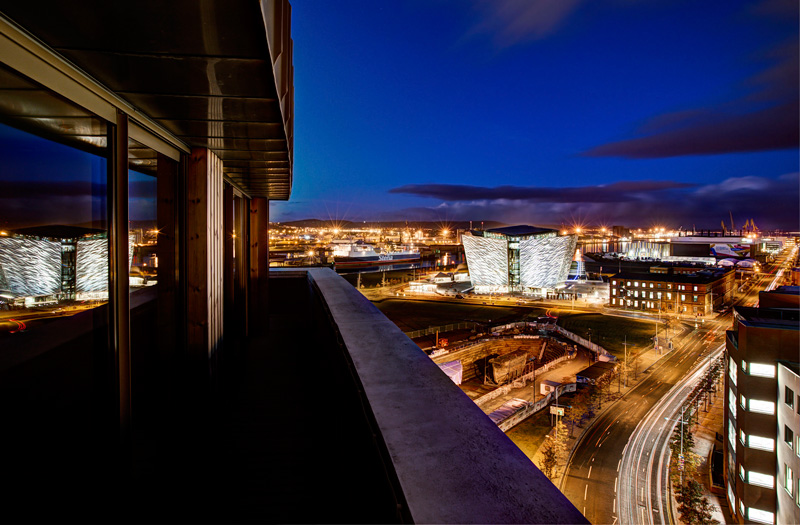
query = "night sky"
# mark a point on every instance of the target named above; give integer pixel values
(545, 112)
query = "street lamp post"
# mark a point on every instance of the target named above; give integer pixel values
(681, 421)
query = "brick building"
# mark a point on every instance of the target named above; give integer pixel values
(698, 293)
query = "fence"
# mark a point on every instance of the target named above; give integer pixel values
(499, 391)
(445, 328)
(532, 408)
(601, 352)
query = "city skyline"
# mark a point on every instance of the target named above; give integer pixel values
(671, 113)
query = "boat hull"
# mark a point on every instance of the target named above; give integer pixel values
(354, 262)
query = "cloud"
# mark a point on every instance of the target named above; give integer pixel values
(765, 118)
(510, 22)
(773, 128)
(629, 203)
(616, 192)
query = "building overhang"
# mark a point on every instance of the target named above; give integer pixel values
(215, 74)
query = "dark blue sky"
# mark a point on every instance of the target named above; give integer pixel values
(546, 111)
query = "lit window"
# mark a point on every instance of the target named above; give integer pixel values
(743, 401)
(788, 397)
(614, 291)
(636, 283)
(761, 516)
(732, 433)
(658, 294)
(732, 498)
(744, 366)
(741, 473)
(695, 288)
(732, 369)
(788, 480)
(788, 435)
(762, 370)
(694, 298)
(629, 283)
(613, 301)
(732, 402)
(651, 285)
(651, 295)
(741, 507)
(742, 437)
(762, 407)
(635, 304)
(636, 293)
(614, 283)
(683, 297)
(762, 480)
(669, 295)
(761, 443)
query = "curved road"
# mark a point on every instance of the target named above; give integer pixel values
(592, 475)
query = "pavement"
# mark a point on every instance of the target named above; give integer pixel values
(710, 423)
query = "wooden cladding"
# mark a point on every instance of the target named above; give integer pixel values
(204, 255)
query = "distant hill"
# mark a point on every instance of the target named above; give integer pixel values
(416, 225)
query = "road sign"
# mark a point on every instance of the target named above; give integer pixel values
(559, 411)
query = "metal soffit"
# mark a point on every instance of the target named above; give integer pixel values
(202, 70)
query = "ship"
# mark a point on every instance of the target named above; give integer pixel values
(359, 253)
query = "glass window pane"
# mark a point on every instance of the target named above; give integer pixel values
(143, 229)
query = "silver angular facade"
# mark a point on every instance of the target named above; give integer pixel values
(545, 261)
(518, 258)
(487, 260)
(30, 267)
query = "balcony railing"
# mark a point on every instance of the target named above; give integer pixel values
(433, 456)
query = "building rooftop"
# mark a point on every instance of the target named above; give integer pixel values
(791, 365)
(522, 229)
(786, 318)
(701, 277)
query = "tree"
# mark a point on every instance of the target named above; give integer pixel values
(581, 408)
(601, 388)
(560, 440)
(549, 459)
(554, 450)
(694, 508)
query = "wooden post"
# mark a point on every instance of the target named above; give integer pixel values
(204, 261)
(118, 293)
(259, 262)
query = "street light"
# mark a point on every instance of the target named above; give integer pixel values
(680, 458)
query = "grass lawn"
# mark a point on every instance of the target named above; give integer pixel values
(609, 331)
(529, 435)
(416, 315)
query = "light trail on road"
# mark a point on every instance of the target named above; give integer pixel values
(644, 495)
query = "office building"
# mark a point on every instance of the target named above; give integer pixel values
(697, 294)
(761, 415)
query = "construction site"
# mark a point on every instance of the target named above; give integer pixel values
(515, 370)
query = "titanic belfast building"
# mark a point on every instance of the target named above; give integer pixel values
(523, 259)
